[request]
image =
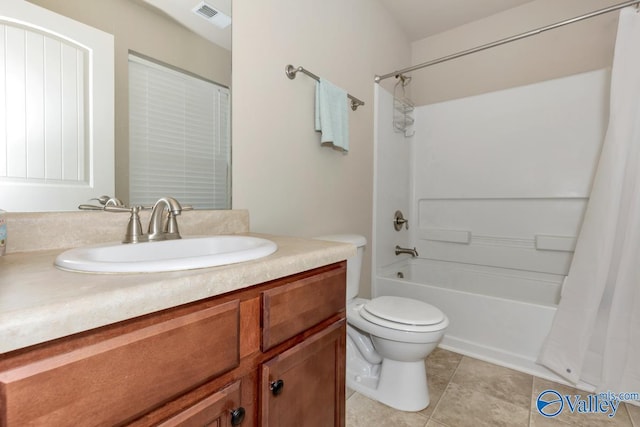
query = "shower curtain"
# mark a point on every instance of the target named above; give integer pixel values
(598, 318)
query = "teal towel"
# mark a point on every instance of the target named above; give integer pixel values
(332, 118)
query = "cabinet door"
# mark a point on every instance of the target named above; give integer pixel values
(221, 409)
(304, 386)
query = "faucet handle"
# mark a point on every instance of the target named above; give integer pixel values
(118, 208)
(399, 221)
(134, 233)
(86, 207)
(104, 201)
(108, 201)
(124, 208)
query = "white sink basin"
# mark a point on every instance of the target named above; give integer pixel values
(167, 255)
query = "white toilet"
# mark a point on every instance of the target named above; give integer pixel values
(388, 339)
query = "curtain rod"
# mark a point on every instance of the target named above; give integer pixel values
(377, 78)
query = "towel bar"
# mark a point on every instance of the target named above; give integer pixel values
(291, 71)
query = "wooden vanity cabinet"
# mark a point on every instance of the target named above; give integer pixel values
(304, 384)
(211, 362)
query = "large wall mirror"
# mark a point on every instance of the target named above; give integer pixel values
(190, 38)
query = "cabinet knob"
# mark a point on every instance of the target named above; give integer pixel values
(276, 387)
(237, 416)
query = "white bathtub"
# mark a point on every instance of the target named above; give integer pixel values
(498, 315)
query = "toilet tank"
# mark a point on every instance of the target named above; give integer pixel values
(354, 264)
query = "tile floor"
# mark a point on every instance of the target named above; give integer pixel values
(469, 392)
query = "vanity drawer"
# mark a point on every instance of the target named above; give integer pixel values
(117, 379)
(293, 308)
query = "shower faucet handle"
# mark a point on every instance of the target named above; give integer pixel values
(399, 221)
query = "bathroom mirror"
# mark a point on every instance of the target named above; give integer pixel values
(179, 35)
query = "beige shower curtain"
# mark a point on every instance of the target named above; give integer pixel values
(595, 334)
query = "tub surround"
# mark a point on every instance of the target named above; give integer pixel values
(495, 232)
(39, 302)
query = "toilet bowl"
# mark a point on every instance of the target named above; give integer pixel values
(388, 339)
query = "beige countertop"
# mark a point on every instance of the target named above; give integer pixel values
(39, 302)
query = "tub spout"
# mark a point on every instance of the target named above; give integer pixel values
(413, 252)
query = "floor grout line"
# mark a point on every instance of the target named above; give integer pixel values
(629, 414)
(533, 379)
(435, 408)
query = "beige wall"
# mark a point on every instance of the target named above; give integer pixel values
(579, 47)
(140, 28)
(290, 184)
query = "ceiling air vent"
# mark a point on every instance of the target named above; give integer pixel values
(212, 15)
(207, 11)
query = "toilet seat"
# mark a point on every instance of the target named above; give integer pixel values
(402, 314)
(392, 330)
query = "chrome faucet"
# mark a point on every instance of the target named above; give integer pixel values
(413, 252)
(159, 229)
(168, 231)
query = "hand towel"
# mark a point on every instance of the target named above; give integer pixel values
(332, 118)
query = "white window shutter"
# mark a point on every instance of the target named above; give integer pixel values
(179, 137)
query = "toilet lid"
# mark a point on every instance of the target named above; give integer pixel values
(402, 310)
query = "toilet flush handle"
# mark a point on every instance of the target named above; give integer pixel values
(399, 221)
